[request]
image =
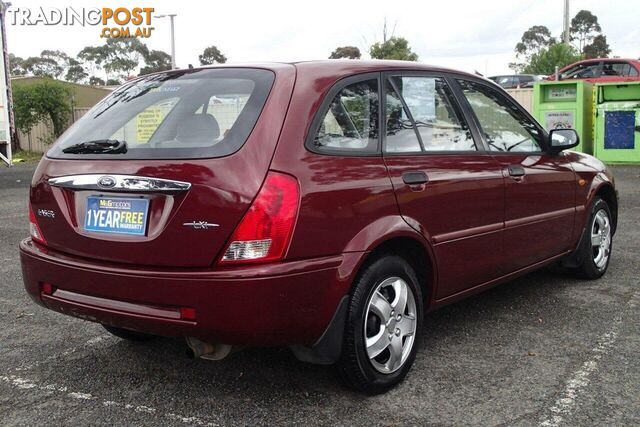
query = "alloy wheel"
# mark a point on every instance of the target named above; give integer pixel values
(390, 325)
(601, 238)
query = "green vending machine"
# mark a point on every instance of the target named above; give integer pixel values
(617, 122)
(566, 105)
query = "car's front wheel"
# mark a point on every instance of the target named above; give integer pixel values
(596, 244)
(383, 327)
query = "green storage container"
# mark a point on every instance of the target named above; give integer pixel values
(566, 105)
(617, 122)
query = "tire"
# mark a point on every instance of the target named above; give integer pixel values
(127, 334)
(374, 298)
(593, 260)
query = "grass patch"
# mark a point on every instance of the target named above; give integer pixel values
(23, 156)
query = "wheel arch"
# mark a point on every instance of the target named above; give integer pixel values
(607, 193)
(392, 235)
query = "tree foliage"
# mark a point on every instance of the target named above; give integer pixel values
(156, 60)
(393, 48)
(48, 101)
(349, 52)
(545, 61)
(534, 40)
(16, 66)
(212, 55)
(599, 48)
(584, 28)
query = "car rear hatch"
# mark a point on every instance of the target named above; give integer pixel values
(197, 147)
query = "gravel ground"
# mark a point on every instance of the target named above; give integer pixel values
(542, 350)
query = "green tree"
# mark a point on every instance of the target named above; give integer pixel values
(48, 64)
(546, 60)
(123, 55)
(584, 28)
(48, 101)
(349, 52)
(76, 72)
(156, 60)
(534, 40)
(92, 57)
(96, 81)
(393, 48)
(16, 66)
(212, 55)
(599, 48)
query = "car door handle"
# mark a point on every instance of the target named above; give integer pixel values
(415, 178)
(516, 170)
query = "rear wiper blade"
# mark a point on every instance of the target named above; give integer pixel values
(99, 146)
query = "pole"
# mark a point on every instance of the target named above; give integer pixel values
(565, 33)
(6, 98)
(173, 44)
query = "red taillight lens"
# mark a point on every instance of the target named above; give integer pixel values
(34, 228)
(264, 232)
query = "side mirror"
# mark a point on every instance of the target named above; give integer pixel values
(562, 139)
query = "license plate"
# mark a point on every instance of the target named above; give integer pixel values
(116, 215)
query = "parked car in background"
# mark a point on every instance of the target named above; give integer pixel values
(516, 81)
(324, 206)
(601, 70)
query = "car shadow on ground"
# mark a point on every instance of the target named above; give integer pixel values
(263, 373)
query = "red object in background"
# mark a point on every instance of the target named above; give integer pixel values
(601, 70)
(324, 214)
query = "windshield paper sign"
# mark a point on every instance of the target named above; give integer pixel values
(116, 215)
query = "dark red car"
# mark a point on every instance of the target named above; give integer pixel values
(601, 70)
(325, 206)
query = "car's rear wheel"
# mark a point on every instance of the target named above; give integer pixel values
(597, 242)
(384, 323)
(127, 334)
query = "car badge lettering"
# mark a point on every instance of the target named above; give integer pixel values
(200, 225)
(46, 213)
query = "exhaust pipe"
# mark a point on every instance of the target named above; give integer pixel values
(205, 350)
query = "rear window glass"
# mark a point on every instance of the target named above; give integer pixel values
(174, 115)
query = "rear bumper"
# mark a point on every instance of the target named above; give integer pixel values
(276, 304)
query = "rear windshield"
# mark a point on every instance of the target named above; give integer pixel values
(174, 115)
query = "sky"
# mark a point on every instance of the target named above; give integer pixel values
(467, 35)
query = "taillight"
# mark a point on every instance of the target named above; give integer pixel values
(34, 228)
(265, 231)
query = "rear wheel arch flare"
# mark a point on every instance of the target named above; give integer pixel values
(415, 253)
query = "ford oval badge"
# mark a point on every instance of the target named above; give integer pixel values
(107, 182)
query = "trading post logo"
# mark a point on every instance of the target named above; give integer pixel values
(115, 22)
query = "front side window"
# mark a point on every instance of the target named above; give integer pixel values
(433, 113)
(351, 121)
(174, 115)
(505, 127)
(582, 71)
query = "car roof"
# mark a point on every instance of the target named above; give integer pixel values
(593, 60)
(342, 67)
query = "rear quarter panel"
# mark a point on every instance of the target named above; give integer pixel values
(342, 198)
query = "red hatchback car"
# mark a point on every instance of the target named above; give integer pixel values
(601, 70)
(325, 206)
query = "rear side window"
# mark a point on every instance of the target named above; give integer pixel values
(350, 124)
(175, 115)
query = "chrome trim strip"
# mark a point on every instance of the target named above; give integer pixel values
(119, 183)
